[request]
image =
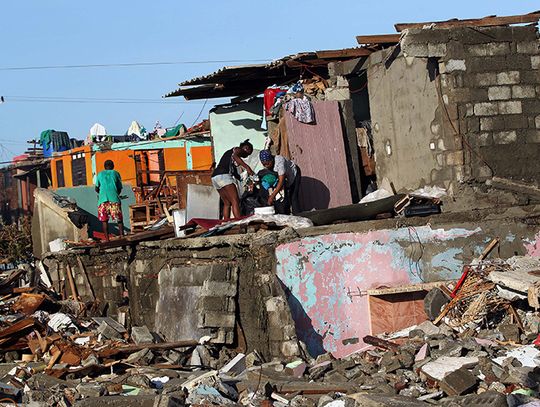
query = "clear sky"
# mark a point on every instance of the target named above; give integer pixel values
(67, 32)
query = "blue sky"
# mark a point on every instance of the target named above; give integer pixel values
(67, 32)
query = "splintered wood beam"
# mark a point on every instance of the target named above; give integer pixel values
(475, 22)
(378, 39)
(343, 53)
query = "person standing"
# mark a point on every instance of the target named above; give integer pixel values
(289, 176)
(226, 174)
(108, 187)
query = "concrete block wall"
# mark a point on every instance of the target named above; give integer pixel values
(189, 288)
(490, 96)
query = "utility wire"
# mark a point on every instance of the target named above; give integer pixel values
(123, 65)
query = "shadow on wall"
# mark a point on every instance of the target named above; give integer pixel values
(248, 124)
(304, 328)
(314, 194)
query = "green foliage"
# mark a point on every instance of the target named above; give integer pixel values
(16, 242)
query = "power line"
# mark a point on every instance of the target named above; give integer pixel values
(129, 64)
(67, 99)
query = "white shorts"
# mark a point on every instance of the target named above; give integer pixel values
(220, 181)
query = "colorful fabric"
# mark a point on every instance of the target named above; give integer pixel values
(111, 210)
(301, 109)
(269, 181)
(265, 155)
(109, 183)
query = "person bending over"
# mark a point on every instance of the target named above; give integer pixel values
(226, 174)
(289, 176)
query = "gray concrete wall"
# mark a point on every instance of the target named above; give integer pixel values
(403, 102)
(50, 222)
(224, 287)
(477, 117)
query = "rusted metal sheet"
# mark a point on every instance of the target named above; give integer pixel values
(319, 151)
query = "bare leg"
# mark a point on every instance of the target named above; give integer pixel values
(232, 194)
(226, 204)
(120, 228)
(105, 226)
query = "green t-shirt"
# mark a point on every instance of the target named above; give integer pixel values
(109, 183)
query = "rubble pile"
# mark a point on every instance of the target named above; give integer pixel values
(482, 348)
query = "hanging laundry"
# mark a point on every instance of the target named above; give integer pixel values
(135, 129)
(270, 97)
(301, 109)
(97, 133)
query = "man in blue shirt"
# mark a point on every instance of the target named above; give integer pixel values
(108, 187)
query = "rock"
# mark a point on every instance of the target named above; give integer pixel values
(442, 366)
(91, 389)
(253, 359)
(324, 400)
(434, 301)
(302, 401)
(108, 331)
(236, 366)
(335, 377)
(422, 353)
(142, 357)
(458, 382)
(141, 334)
(139, 380)
(429, 328)
(378, 400)
(510, 332)
(204, 395)
(317, 371)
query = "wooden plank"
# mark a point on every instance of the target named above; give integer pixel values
(475, 22)
(378, 39)
(86, 278)
(343, 53)
(408, 288)
(380, 343)
(72, 287)
(17, 328)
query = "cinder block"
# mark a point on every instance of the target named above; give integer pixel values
(454, 158)
(508, 78)
(290, 348)
(505, 137)
(489, 49)
(499, 93)
(510, 107)
(212, 304)
(219, 320)
(141, 334)
(458, 382)
(484, 139)
(491, 123)
(528, 47)
(218, 289)
(486, 79)
(436, 50)
(473, 124)
(535, 62)
(533, 136)
(537, 121)
(455, 65)
(485, 109)
(523, 91)
(515, 121)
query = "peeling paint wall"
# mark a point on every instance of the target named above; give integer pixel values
(326, 277)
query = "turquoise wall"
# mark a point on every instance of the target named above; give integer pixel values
(233, 124)
(86, 198)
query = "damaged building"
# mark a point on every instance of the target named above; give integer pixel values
(440, 125)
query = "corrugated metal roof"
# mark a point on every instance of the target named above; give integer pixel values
(249, 80)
